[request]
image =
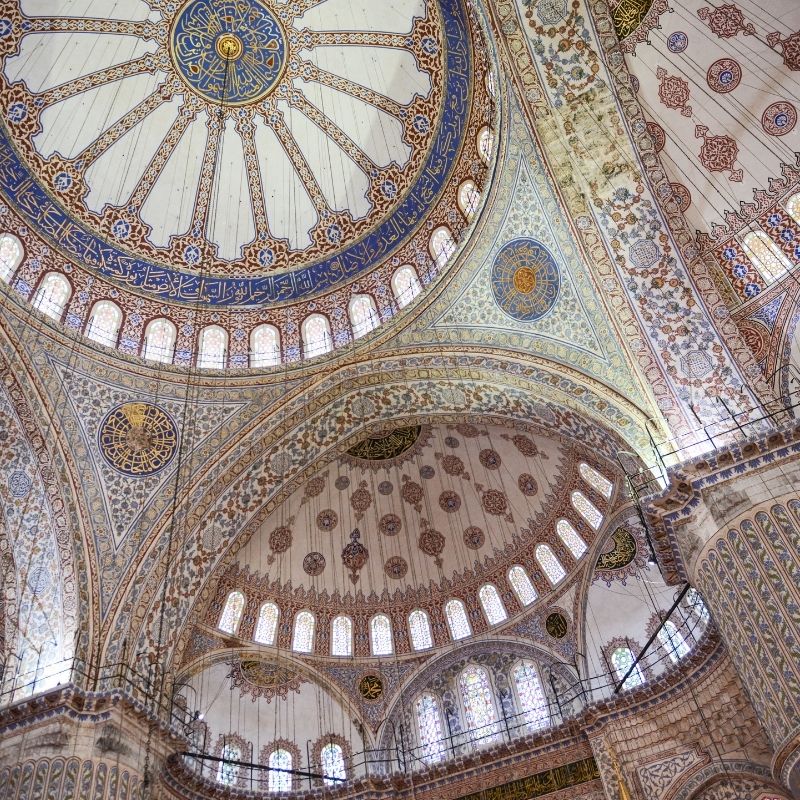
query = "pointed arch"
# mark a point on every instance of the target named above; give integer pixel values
(232, 612)
(52, 296)
(160, 336)
(105, 320)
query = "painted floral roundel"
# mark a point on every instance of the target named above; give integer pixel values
(236, 152)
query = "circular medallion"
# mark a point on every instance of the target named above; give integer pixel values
(314, 564)
(681, 195)
(657, 135)
(724, 75)
(370, 687)
(525, 280)
(395, 567)
(779, 119)
(474, 537)
(138, 439)
(677, 42)
(229, 51)
(556, 625)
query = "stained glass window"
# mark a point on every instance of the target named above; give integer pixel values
(793, 207)
(232, 613)
(265, 346)
(10, 255)
(104, 322)
(570, 537)
(492, 604)
(468, 198)
(420, 629)
(765, 255)
(695, 601)
(316, 336)
(303, 640)
(672, 640)
(405, 285)
(622, 659)
(587, 509)
(52, 295)
(267, 624)
(480, 713)
(522, 585)
(549, 563)
(485, 144)
(363, 315)
(442, 245)
(457, 619)
(159, 341)
(227, 772)
(532, 702)
(342, 636)
(597, 481)
(380, 631)
(332, 757)
(430, 731)
(213, 344)
(280, 759)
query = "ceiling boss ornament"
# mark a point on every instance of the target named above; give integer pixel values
(231, 52)
(138, 439)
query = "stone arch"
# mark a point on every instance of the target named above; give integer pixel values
(728, 780)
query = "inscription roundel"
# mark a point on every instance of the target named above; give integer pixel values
(138, 439)
(231, 51)
(556, 625)
(370, 687)
(525, 279)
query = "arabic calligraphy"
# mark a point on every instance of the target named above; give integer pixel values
(233, 51)
(629, 15)
(389, 445)
(525, 279)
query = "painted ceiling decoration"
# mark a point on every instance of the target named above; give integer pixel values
(387, 446)
(260, 678)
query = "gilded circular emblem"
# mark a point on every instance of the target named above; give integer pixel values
(556, 625)
(370, 687)
(138, 438)
(229, 51)
(386, 446)
(525, 279)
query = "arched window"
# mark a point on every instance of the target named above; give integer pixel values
(766, 256)
(430, 731)
(695, 601)
(303, 639)
(280, 779)
(363, 315)
(380, 632)
(227, 772)
(232, 613)
(265, 346)
(587, 509)
(104, 322)
(485, 144)
(10, 255)
(419, 627)
(480, 713)
(549, 563)
(492, 604)
(316, 335)
(468, 199)
(332, 758)
(52, 295)
(267, 624)
(793, 207)
(457, 619)
(570, 537)
(597, 481)
(522, 585)
(213, 347)
(672, 640)
(442, 245)
(342, 636)
(159, 341)
(405, 285)
(622, 659)
(530, 695)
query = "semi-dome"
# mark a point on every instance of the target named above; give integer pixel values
(276, 158)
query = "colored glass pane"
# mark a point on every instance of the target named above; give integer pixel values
(332, 757)
(597, 481)
(342, 636)
(232, 613)
(570, 537)
(522, 585)
(303, 639)
(622, 659)
(532, 702)
(480, 713)
(457, 619)
(420, 629)
(267, 624)
(380, 630)
(227, 772)
(429, 728)
(549, 563)
(492, 604)
(280, 781)
(587, 509)
(765, 255)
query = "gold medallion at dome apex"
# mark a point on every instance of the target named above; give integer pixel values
(524, 280)
(229, 46)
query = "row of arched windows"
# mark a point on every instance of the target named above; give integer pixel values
(479, 708)
(282, 765)
(419, 627)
